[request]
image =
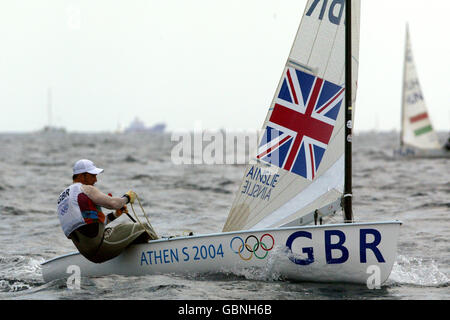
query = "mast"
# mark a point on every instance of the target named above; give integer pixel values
(49, 106)
(403, 85)
(347, 200)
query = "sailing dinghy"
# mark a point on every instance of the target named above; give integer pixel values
(417, 136)
(300, 177)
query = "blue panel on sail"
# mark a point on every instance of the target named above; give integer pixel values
(285, 94)
(278, 156)
(306, 82)
(300, 163)
(269, 134)
(318, 155)
(333, 113)
(330, 94)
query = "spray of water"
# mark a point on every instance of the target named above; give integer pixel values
(418, 271)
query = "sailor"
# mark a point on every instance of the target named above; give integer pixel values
(447, 145)
(83, 221)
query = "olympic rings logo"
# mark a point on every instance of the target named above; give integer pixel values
(252, 246)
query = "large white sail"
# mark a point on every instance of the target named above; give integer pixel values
(300, 159)
(417, 130)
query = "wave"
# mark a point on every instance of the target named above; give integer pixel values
(417, 272)
(193, 186)
(44, 163)
(12, 211)
(143, 177)
(130, 159)
(433, 205)
(19, 273)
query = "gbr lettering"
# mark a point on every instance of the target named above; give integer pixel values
(335, 250)
(335, 10)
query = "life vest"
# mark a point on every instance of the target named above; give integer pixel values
(76, 209)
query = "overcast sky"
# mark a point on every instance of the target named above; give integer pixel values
(213, 63)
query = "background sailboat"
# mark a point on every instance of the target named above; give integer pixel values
(50, 128)
(417, 136)
(301, 171)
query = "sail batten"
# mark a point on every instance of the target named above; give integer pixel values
(301, 152)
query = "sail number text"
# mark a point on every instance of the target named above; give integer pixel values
(335, 10)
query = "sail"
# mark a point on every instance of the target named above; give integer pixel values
(417, 130)
(299, 165)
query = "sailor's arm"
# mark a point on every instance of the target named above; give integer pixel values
(101, 199)
(114, 215)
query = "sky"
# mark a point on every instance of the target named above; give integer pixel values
(198, 63)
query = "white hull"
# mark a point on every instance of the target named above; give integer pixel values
(349, 248)
(412, 152)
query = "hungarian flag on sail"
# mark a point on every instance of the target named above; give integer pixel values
(302, 121)
(424, 125)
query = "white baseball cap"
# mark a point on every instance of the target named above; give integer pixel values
(85, 165)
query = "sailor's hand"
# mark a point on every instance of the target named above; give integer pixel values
(120, 211)
(131, 195)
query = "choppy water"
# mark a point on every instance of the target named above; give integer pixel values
(36, 167)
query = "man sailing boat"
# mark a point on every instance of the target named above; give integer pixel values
(447, 145)
(82, 220)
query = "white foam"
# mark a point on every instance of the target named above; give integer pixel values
(417, 271)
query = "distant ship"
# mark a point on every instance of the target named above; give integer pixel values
(52, 129)
(139, 126)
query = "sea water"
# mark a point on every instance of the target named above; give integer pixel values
(179, 198)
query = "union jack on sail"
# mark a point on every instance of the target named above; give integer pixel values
(302, 121)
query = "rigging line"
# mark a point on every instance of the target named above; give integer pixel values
(145, 215)
(137, 218)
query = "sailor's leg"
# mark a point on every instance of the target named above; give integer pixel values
(88, 244)
(150, 232)
(117, 238)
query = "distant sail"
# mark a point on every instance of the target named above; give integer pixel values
(300, 159)
(417, 130)
(50, 128)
